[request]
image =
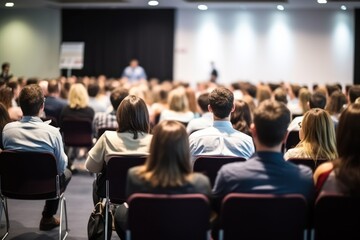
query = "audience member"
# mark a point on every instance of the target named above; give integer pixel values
(293, 101)
(78, 106)
(354, 93)
(32, 134)
(166, 171)
(336, 104)
(206, 119)
(6, 97)
(5, 75)
(131, 138)
(266, 171)
(54, 104)
(317, 100)
(96, 104)
(241, 117)
(343, 172)
(221, 138)
(280, 95)
(263, 92)
(108, 120)
(4, 119)
(317, 137)
(178, 107)
(304, 98)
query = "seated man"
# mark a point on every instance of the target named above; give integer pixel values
(221, 138)
(108, 120)
(266, 171)
(32, 134)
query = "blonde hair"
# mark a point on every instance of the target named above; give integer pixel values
(168, 164)
(319, 140)
(178, 101)
(78, 96)
(304, 97)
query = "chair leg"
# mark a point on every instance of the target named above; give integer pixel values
(5, 207)
(107, 203)
(63, 211)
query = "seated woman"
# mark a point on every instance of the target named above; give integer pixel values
(241, 118)
(178, 107)
(131, 138)
(166, 171)
(343, 172)
(317, 137)
(4, 119)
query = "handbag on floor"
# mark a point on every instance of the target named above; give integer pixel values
(96, 224)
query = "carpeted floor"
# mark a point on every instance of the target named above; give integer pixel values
(25, 215)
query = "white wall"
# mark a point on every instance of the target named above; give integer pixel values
(30, 40)
(303, 46)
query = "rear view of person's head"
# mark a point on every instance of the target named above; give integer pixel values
(347, 167)
(116, 97)
(6, 96)
(93, 89)
(178, 100)
(317, 100)
(203, 102)
(133, 116)
(336, 103)
(31, 100)
(53, 87)
(169, 160)
(78, 96)
(221, 101)
(4, 117)
(271, 119)
(241, 117)
(354, 93)
(317, 134)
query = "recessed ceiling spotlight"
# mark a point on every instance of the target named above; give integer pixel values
(322, 1)
(153, 3)
(9, 4)
(280, 7)
(202, 7)
(343, 7)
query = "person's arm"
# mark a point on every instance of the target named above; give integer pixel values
(96, 156)
(59, 153)
(323, 168)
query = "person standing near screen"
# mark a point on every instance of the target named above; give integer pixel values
(134, 73)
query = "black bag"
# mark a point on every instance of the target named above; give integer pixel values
(96, 224)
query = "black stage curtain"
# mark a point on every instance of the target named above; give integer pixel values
(114, 36)
(357, 48)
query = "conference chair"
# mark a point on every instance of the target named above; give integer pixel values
(210, 165)
(263, 216)
(30, 176)
(77, 132)
(164, 217)
(308, 162)
(336, 216)
(116, 175)
(292, 140)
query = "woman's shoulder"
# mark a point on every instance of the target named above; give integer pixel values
(296, 152)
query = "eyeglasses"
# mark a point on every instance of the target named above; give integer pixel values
(299, 123)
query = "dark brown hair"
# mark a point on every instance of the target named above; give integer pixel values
(241, 117)
(31, 99)
(347, 167)
(221, 101)
(271, 119)
(168, 164)
(133, 116)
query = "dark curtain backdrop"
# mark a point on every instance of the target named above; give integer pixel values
(114, 36)
(357, 48)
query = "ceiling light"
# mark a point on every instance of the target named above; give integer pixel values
(322, 1)
(9, 4)
(280, 7)
(202, 7)
(153, 3)
(343, 7)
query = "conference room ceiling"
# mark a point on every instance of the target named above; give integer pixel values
(186, 4)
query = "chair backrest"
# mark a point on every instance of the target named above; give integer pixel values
(77, 132)
(308, 162)
(164, 217)
(102, 130)
(263, 216)
(292, 140)
(210, 165)
(336, 217)
(28, 175)
(116, 174)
